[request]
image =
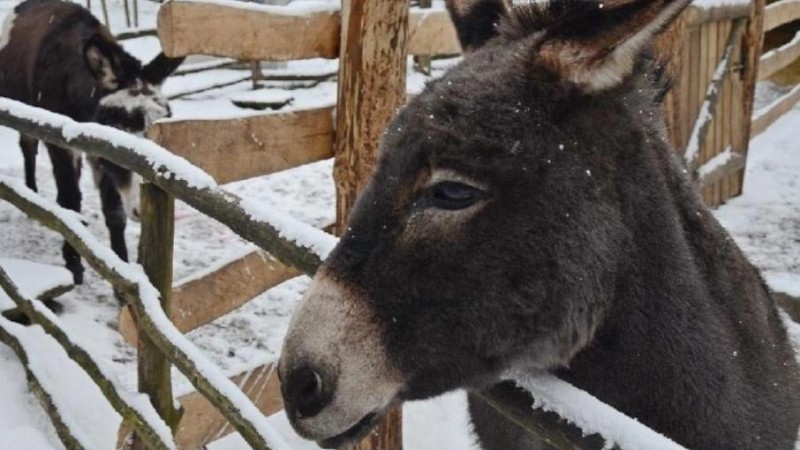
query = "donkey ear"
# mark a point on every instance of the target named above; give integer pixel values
(476, 20)
(162, 66)
(596, 45)
(100, 63)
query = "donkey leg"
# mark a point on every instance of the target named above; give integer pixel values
(114, 213)
(66, 171)
(29, 147)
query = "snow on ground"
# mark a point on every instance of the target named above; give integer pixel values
(765, 222)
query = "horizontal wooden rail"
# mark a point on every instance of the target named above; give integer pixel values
(44, 389)
(700, 15)
(781, 13)
(141, 416)
(202, 424)
(237, 149)
(720, 166)
(206, 298)
(247, 32)
(136, 288)
(768, 115)
(778, 58)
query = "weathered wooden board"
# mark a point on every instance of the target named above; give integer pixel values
(252, 33)
(780, 13)
(778, 108)
(242, 32)
(202, 423)
(777, 59)
(200, 300)
(241, 148)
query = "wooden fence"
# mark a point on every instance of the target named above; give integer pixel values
(714, 76)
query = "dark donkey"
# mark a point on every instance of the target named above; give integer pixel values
(527, 214)
(57, 56)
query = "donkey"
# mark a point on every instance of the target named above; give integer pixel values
(56, 55)
(527, 214)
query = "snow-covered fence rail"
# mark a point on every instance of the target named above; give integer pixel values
(300, 30)
(136, 410)
(132, 283)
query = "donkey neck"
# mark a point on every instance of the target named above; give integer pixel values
(688, 317)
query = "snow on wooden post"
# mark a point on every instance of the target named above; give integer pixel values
(155, 256)
(372, 85)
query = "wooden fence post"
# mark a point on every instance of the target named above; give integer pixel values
(752, 44)
(155, 256)
(372, 85)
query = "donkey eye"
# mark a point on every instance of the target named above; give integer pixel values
(452, 195)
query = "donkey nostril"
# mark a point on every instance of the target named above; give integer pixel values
(304, 389)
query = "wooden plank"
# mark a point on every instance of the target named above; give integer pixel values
(280, 33)
(203, 299)
(721, 166)
(202, 424)
(776, 59)
(770, 114)
(781, 13)
(432, 33)
(725, 119)
(246, 31)
(752, 45)
(155, 256)
(372, 85)
(698, 16)
(237, 149)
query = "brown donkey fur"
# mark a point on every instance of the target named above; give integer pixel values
(528, 214)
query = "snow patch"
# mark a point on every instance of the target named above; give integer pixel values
(32, 279)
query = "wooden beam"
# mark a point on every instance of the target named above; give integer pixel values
(246, 31)
(155, 256)
(202, 424)
(697, 140)
(719, 167)
(752, 45)
(372, 85)
(778, 58)
(280, 33)
(768, 115)
(237, 149)
(202, 299)
(697, 16)
(781, 13)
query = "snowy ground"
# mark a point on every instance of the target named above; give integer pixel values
(765, 222)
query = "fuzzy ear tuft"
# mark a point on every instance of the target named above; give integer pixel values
(476, 20)
(597, 44)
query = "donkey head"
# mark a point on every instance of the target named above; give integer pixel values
(130, 100)
(489, 237)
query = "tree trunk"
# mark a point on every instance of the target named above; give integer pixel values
(372, 85)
